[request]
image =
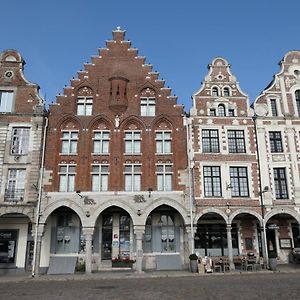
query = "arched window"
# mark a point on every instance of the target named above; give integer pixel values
(226, 92)
(214, 91)
(221, 110)
(297, 96)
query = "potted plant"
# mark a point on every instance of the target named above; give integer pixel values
(125, 262)
(193, 262)
(273, 260)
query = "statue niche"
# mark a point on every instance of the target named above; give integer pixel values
(118, 94)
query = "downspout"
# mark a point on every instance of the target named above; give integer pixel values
(39, 200)
(264, 242)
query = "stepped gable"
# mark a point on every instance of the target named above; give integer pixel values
(27, 99)
(116, 77)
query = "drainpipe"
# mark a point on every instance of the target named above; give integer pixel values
(191, 182)
(261, 192)
(35, 260)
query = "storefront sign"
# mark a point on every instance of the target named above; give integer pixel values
(272, 226)
(8, 234)
(285, 243)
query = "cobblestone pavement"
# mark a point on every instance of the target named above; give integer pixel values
(245, 286)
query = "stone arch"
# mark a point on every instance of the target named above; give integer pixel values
(131, 120)
(277, 211)
(244, 211)
(161, 119)
(84, 90)
(111, 203)
(165, 201)
(69, 118)
(67, 203)
(211, 210)
(27, 212)
(98, 120)
(147, 86)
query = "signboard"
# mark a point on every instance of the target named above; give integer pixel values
(285, 243)
(272, 226)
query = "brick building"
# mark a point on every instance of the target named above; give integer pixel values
(21, 127)
(222, 157)
(277, 112)
(115, 167)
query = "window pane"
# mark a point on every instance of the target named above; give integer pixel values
(95, 183)
(62, 183)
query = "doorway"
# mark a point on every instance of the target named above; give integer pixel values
(106, 237)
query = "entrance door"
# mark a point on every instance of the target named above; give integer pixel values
(271, 240)
(106, 237)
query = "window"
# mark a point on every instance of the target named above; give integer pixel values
(297, 96)
(212, 182)
(215, 91)
(231, 112)
(20, 141)
(132, 142)
(99, 178)
(212, 112)
(236, 141)
(275, 141)
(167, 222)
(15, 185)
(133, 177)
(226, 92)
(239, 182)
(163, 142)
(210, 140)
(84, 105)
(164, 177)
(69, 142)
(6, 101)
(274, 111)
(101, 142)
(221, 110)
(67, 178)
(281, 191)
(147, 106)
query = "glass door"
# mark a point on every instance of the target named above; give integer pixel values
(106, 237)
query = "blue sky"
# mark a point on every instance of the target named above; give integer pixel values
(180, 38)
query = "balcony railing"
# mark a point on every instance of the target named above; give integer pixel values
(16, 195)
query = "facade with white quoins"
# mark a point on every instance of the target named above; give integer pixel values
(21, 128)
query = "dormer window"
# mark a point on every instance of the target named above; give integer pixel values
(221, 110)
(226, 92)
(215, 91)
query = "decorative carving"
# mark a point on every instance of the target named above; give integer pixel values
(139, 198)
(85, 91)
(278, 157)
(88, 201)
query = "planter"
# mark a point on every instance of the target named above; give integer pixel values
(194, 266)
(273, 263)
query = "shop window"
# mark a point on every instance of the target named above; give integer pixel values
(20, 141)
(167, 233)
(8, 243)
(124, 236)
(6, 101)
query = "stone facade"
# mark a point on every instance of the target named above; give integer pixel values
(21, 129)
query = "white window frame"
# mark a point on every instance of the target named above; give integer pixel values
(20, 140)
(68, 141)
(101, 177)
(164, 177)
(70, 176)
(164, 140)
(102, 140)
(132, 177)
(16, 179)
(148, 106)
(132, 144)
(86, 103)
(6, 101)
